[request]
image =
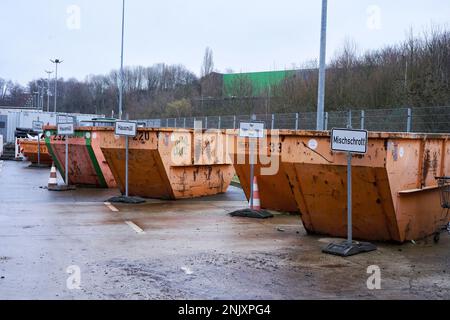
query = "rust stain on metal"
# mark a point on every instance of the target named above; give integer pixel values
(395, 151)
(426, 164)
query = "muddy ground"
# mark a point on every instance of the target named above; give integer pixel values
(188, 250)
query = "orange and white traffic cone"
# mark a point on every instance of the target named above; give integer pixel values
(256, 201)
(52, 181)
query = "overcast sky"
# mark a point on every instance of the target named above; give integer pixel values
(245, 35)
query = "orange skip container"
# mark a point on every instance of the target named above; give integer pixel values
(170, 163)
(395, 193)
(87, 164)
(29, 148)
(275, 192)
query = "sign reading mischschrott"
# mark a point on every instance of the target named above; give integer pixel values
(66, 129)
(126, 128)
(349, 140)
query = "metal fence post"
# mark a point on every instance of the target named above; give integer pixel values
(234, 122)
(349, 120)
(363, 114)
(175, 125)
(326, 121)
(273, 121)
(167, 122)
(409, 120)
(296, 121)
(184, 122)
(219, 125)
(206, 122)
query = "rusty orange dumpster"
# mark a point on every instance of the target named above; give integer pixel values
(29, 148)
(170, 163)
(87, 165)
(395, 194)
(274, 190)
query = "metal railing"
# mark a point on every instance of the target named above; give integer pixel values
(426, 119)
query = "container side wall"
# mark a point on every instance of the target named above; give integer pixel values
(321, 194)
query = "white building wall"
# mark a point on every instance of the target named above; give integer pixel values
(24, 119)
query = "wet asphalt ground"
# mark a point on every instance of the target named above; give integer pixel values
(190, 249)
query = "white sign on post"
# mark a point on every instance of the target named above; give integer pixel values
(38, 126)
(64, 118)
(349, 140)
(66, 129)
(254, 131)
(251, 130)
(126, 128)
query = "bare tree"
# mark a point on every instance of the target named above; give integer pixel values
(208, 63)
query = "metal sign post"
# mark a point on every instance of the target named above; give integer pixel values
(126, 129)
(39, 148)
(349, 141)
(66, 130)
(38, 127)
(349, 199)
(66, 170)
(127, 148)
(252, 170)
(253, 131)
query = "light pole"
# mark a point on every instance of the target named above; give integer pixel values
(121, 64)
(41, 89)
(56, 62)
(323, 49)
(48, 89)
(41, 94)
(36, 99)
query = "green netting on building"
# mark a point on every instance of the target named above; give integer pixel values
(253, 83)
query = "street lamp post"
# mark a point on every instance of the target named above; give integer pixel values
(323, 49)
(121, 64)
(40, 97)
(48, 89)
(36, 99)
(56, 62)
(41, 90)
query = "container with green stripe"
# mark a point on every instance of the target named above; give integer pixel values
(87, 165)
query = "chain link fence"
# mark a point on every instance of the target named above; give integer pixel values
(426, 119)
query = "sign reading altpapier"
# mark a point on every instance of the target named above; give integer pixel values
(349, 140)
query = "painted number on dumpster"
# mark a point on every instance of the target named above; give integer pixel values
(348, 140)
(142, 137)
(59, 138)
(275, 147)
